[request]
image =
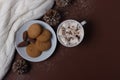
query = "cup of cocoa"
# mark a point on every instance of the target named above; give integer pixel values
(70, 33)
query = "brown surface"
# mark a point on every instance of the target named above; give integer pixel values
(97, 58)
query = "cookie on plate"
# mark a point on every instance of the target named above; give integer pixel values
(32, 51)
(43, 46)
(44, 36)
(34, 30)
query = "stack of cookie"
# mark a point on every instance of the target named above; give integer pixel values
(42, 39)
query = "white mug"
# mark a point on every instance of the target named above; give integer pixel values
(71, 22)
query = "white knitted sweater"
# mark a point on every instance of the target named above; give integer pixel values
(13, 14)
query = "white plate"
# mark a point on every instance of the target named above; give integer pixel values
(22, 50)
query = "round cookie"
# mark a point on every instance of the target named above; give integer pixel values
(34, 30)
(45, 36)
(42, 46)
(32, 51)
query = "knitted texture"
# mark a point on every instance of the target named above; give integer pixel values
(13, 14)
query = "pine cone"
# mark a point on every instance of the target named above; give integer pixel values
(20, 66)
(52, 17)
(63, 3)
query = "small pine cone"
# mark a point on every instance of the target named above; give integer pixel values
(20, 66)
(63, 3)
(52, 17)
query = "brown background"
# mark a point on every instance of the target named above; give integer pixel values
(96, 58)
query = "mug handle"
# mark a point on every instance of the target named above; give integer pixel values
(83, 23)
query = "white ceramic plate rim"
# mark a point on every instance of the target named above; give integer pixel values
(45, 54)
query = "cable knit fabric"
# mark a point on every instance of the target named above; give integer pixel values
(13, 14)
